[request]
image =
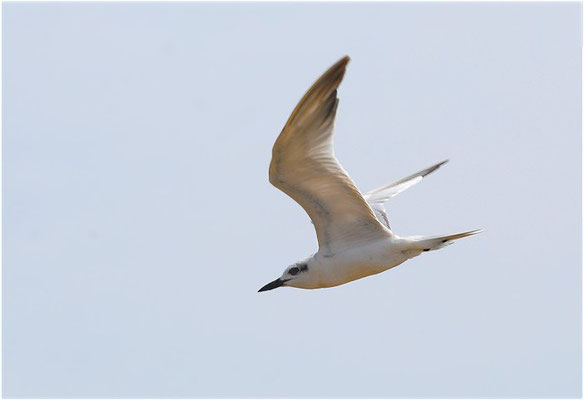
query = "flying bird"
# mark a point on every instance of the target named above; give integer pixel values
(354, 236)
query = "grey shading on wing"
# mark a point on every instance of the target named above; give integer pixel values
(305, 168)
(377, 197)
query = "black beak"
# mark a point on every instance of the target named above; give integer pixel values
(272, 285)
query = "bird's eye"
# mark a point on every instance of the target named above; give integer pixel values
(294, 271)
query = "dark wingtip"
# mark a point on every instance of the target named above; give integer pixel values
(321, 92)
(434, 168)
(337, 70)
(342, 63)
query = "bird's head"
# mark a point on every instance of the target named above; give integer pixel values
(297, 275)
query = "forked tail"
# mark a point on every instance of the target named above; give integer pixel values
(437, 242)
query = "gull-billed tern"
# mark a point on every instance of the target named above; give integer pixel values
(353, 232)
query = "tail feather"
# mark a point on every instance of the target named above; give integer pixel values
(438, 242)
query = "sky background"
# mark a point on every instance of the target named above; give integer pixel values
(139, 222)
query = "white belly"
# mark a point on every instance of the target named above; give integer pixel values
(360, 262)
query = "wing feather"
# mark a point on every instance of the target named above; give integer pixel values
(305, 168)
(377, 197)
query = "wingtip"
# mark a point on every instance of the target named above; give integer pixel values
(473, 232)
(323, 91)
(341, 63)
(433, 168)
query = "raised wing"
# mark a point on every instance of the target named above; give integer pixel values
(305, 168)
(377, 197)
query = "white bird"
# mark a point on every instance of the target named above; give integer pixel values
(354, 236)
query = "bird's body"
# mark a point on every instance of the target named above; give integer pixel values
(353, 263)
(354, 236)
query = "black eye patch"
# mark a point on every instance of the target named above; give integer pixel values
(294, 271)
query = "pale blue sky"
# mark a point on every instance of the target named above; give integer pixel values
(139, 222)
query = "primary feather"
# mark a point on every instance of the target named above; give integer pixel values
(377, 197)
(305, 168)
